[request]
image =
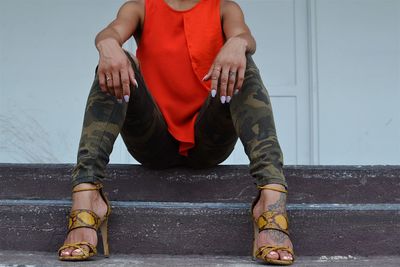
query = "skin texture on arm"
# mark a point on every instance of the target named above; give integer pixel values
(234, 25)
(115, 71)
(227, 71)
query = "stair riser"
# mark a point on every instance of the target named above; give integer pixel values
(206, 230)
(309, 184)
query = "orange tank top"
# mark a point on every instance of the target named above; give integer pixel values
(175, 51)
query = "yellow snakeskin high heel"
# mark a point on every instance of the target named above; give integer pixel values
(270, 220)
(82, 218)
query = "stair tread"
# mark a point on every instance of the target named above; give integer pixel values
(164, 230)
(17, 258)
(307, 184)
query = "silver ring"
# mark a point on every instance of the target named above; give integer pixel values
(108, 78)
(232, 73)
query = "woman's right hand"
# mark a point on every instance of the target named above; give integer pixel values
(115, 71)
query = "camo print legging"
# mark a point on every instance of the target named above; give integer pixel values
(144, 131)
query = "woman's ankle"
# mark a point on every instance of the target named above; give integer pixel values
(270, 200)
(88, 199)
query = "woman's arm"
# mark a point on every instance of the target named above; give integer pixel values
(234, 25)
(228, 69)
(115, 71)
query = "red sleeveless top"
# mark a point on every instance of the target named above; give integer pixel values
(175, 51)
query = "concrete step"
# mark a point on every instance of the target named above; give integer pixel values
(207, 228)
(333, 210)
(227, 184)
(36, 259)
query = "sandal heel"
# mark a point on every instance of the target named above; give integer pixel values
(104, 235)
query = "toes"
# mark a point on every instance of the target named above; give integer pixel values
(80, 251)
(273, 255)
(65, 252)
(77, 252)
(284, 255)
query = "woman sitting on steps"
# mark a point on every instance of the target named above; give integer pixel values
(191, 91)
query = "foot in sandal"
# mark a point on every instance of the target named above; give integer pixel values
(89, 211)
(269, 214)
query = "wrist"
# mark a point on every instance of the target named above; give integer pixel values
(106, 44)
(240, 41)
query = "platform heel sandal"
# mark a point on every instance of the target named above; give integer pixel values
(275, 220)
(83, 218)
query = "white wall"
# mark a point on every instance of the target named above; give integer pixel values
(358, 59)
(332, 68)
(47, 66)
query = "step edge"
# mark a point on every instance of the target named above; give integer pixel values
(209, 205)
(240, 166)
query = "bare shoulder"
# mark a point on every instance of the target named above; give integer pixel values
(133, 8)
(134, 3)
(229, 7)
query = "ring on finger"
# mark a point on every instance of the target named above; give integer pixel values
(232, 73)
(108, 78)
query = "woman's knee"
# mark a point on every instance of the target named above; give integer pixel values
(133, 59)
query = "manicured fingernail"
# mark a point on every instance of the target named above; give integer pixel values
(213, 92)
(136, 84)
(223, 99)
(126, 97)
(204, 78)
(236, 92)
(228, 99)
(119, 101)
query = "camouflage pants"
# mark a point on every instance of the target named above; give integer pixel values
(144, 131)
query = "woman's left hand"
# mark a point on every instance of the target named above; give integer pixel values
(227, 71)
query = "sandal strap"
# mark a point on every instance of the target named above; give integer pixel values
(263, 251)
(98, 187)
(271, 188)
(83, 218)
(79, 245)
(273, 220)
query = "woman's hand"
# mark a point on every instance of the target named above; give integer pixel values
(115, 70)
(227, 71)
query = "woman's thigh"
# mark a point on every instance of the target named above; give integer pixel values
(215, 135)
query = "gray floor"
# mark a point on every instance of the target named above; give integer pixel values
(28, 259)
